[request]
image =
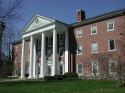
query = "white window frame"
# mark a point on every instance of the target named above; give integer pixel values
(109, 45)
(78, 30)
(77, 69)
(109, 30)
(77, 49)
(92, 27)
(110, 67)
(94, 51)
(97, 68)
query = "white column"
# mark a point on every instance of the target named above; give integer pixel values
(34, 60)
(66, 52)
(42, 66)
(23, 59)
(54, 60)
(31, 58)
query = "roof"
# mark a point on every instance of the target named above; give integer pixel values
(17, 42)
(99, 18)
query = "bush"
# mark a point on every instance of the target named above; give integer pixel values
(71, 75)
(66, 76)
(26, 75)
(58, 77)
(121, 84)
(48, 78)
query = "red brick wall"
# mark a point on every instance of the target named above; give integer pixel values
(101, 38)
(17, 54)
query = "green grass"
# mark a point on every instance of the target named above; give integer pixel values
(76, 86)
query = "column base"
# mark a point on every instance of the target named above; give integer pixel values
(22, 77)
(41, 76)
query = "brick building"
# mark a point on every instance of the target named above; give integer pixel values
(76, 47)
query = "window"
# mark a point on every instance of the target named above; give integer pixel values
(61, 37)
(61, 68)
(49, 70)
(16, 47)
(111, 45)
(79, 69)
(95, 67)
(93, 30)
(112, 67)
(94, 48)
(78, 32)
(79, 49)
(61, 51)
(49, 52)
(110, 25)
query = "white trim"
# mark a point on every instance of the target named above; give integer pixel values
(109, 45)
(110, 30)
(92, 29)
(33, 18)
(92, 51)
(77, 69)
(38, 31)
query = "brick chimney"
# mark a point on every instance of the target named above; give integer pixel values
(80, 15)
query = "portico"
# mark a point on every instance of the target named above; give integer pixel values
(40, 28)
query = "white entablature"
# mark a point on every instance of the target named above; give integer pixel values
(40, 24)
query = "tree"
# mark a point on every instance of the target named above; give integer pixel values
(9, 14)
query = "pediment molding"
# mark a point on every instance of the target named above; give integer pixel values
(37, 22)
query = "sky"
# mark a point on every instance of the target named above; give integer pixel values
(64, 10)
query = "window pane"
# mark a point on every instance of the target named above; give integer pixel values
(110, 25)
(79, 49)
(79, 69)
(93, 29)
(94, 48)
(112, 44)
(61, 69)
(78, 32)
(94, 68)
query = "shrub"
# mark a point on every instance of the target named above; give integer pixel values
(58, 77)
(71, 75)
(121, 84)
(48, 78)
(26, 75)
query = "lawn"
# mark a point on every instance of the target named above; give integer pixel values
(74, 86)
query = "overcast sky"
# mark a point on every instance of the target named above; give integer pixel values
(64, 10)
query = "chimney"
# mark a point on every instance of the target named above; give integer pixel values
(80, 15)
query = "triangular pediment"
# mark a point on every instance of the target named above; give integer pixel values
(36, 22)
